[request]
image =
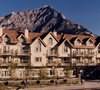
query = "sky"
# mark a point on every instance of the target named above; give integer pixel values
(83, 12)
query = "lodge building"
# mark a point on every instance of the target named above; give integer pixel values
(31, 55)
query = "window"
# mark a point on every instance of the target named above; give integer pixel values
(24, 59)
(6, 39)
(99, 49)
(52, 72)
(50, 41)
(78, 42)
(4, 49)
(22, 40)
(90, 43)
(66, 60)
(65, 49)
(38, 47)
(38, 59)
(50, 59)
(5, 73)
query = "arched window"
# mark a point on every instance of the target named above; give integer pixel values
(50, 41)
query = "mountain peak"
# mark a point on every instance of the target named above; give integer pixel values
(42, 20)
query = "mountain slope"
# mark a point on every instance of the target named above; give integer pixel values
(41, 20)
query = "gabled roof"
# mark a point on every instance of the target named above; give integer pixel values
(45, 34)
(42, 42)
(97, 41)
(38, 38)
(61, 41)
(33, 36)
(12, 34)
(86, 39)
(84, 46)
(73, 40)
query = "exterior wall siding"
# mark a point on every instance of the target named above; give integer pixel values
(43, 58)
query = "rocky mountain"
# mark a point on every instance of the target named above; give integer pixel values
(42, 20)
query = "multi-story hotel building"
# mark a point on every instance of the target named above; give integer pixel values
(31, 55)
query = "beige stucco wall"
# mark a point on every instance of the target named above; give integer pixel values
(61, 52)
(35, 54)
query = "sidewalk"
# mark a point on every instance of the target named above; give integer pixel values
(84, 86)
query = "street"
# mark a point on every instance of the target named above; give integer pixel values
(88, 85)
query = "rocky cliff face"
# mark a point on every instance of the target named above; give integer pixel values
(42, 20)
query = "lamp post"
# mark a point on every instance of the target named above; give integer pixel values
(80, 76)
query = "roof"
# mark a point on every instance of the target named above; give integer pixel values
(97, 40)
(45, 34)
(60, 38)
(12, 34)
(84, 46)
(33, 36)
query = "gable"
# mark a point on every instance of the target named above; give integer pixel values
(50, 40)
(6, 38)
(89, 42)
(21, 39)
(37, 42)
(77, 42)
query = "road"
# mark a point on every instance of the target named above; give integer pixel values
(88, 85)
(95, 85)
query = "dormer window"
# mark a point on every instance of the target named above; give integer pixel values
(99, 49)
(78, 42)
(38, 47)
(89, 43)
(6, 39)
(65, 47)
(22, 40)
(50, 41)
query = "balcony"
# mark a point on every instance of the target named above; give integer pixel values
(23, 64)
(52, 54)
(89, 54)
(81, 54)
(5, 53)
(4, 64)
(22, 53)
(65, 64)
(54, 63)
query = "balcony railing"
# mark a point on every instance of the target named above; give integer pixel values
(65, 64)
(5, 53)
(15, 53)
(83, 54)
(58, 63)
(4, 64)
(51, 54)
(22, 53)
(23, 64)
(14, 64)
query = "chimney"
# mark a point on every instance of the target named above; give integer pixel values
(1, 31)
(26, 33)
(55, 33)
